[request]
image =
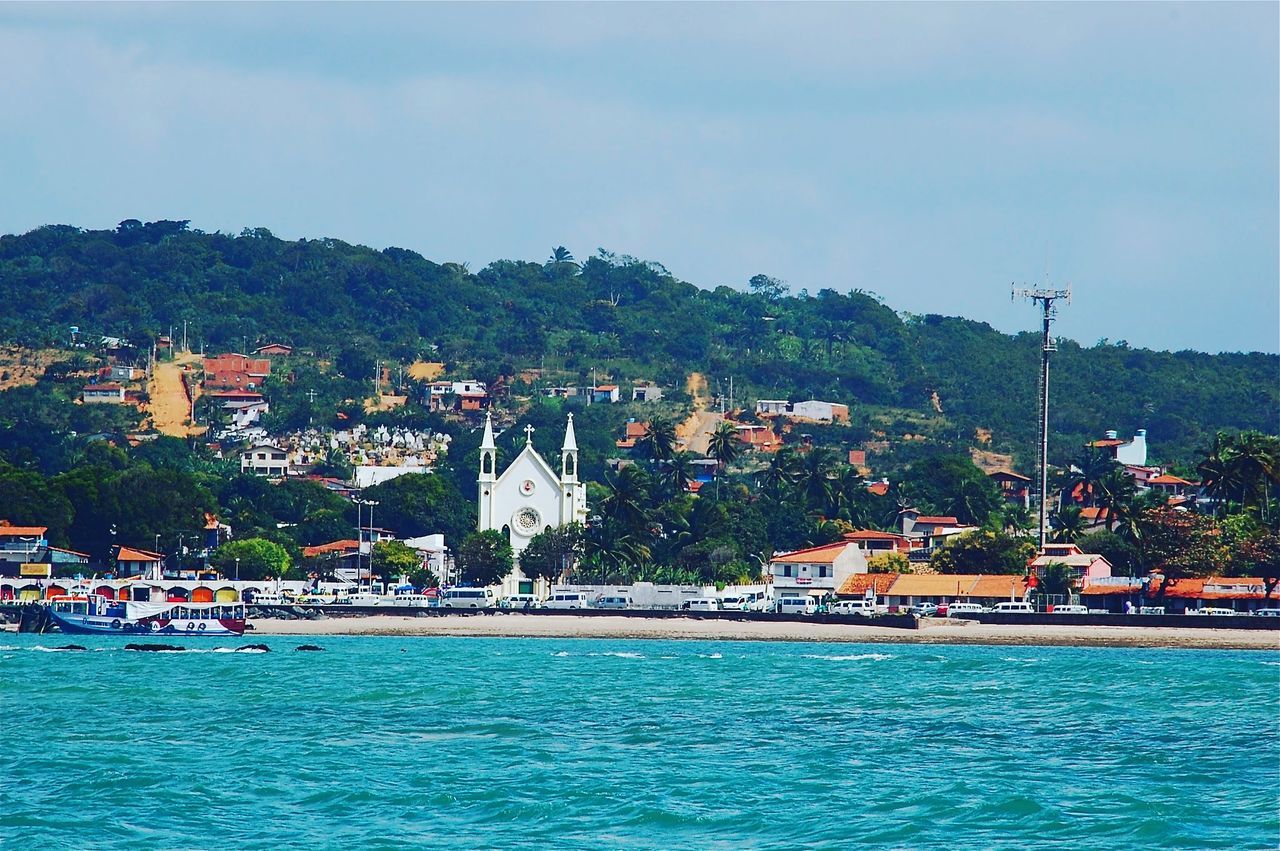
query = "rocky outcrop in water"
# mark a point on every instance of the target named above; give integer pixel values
(308, 647)
(154, 648)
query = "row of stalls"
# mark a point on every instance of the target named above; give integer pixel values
(28, 590)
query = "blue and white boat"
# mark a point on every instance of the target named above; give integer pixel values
(97, 615)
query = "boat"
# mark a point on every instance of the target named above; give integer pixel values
(96, 615)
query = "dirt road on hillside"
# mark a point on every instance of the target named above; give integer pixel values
(694, 434)
(170, 408)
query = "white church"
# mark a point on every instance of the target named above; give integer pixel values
(528, 497)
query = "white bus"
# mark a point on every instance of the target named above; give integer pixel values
(468, 598)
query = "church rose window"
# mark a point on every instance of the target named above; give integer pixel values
(527, 521)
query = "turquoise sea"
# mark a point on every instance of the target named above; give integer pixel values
(537, 743)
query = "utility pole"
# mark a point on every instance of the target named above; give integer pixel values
(1045, 298)
(184, 335)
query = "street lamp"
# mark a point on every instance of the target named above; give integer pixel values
(237, 570)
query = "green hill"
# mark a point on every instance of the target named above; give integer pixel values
(623, 317)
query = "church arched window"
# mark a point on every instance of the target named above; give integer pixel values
(568, 465)
(486, 463)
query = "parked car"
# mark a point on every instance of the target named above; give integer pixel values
(612, 602)
(961, 609)
(923, 610)
(862, 607)
(1010, 607)
(1268, 613)
(1151, 610)
(521, 601)
(1069, 609)
(1209, 610)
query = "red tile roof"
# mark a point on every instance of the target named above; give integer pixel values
(345, 546)
(878, 488)
(857, 584)
(89, 387)
(7, 530)
(930, 520)
(131, 554)
(1166, 479)
(1111, 441)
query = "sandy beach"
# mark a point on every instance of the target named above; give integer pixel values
(515, 625)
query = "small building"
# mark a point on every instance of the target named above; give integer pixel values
(815, 569)
(22, 543)
(1172, 486)
(873, 542)
(235, 372)
(863, 585)
(264, 459)
(606, 393)
(632, 434)
(810, 409)
(103, 394)
(274, 349)
(758, 437)
(1014, 487)
(123, 373)
(643, 391)
(131, 561)
(1124, 451)
(1082, 566)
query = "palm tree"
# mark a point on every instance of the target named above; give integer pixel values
(677, 473)
(815, 478)
(1115, 492)
(660, 438)
(560, 254)
(627, 498)
(1067, 523)
(1256, 465)
(780, 473)
(724, 444)
(1219, 475)
(1085, 474)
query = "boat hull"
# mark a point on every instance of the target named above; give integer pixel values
(77, 624)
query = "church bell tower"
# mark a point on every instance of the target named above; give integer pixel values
(488, 475)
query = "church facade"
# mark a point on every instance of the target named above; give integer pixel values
(529, 496)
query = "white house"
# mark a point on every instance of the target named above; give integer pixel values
(103, 394)
(810, 409)
(1125, 451)
(643, 391)
(264, 459)
(816, 569)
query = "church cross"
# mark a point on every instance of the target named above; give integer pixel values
(528, 434)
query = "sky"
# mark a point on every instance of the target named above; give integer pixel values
(934, 154)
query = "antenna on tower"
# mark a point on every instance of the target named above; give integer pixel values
(1045, 298)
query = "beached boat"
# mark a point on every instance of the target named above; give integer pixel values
(94, 614)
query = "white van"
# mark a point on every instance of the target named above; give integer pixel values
(701, 604)
(962, 609)
(1070, 609)
(613, 601)
(468, 598)
(862, 606)
(793, 605)
(1011, 608)
(751, 601)
(567, 600)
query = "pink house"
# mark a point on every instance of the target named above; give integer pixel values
(1084, 566)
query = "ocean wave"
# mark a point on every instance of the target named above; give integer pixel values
(855, 657)
(561, 654)
(710, 656)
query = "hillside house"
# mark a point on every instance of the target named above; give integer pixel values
(22, 543)
(274, 350)
(235, 372)
(1124, 451)
(1014, 487)
(643, 391)
(811, 409)
(606, 393)
(118, 372)
(1172, 486)
(758, 437)
(103, 394)
(873, 542)
(632, 434)
(264, 459)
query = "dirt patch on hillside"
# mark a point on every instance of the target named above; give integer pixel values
(423, 370)
(20, 367)
(989, 462)
(169, 410)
